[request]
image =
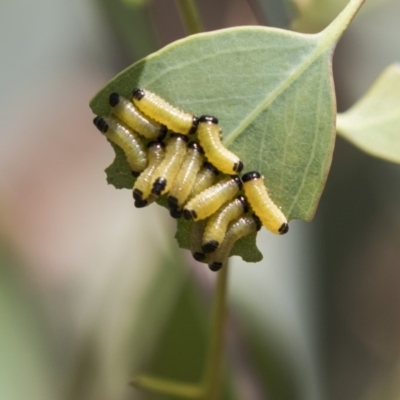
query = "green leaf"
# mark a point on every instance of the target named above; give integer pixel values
(118, 173)
(271, 91)
(373, 123)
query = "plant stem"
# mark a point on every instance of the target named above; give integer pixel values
(190, 16)
(168, 387)
(211, 387)
(213, 377)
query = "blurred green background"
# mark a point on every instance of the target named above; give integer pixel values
(93, 290)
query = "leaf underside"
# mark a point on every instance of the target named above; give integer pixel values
(270, 89)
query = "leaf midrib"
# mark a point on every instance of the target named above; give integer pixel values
(325, 40)
(318, 51)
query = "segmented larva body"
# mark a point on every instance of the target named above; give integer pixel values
(142, 187)
(185, 179)
(218, 218)
(206, 177)
(164, 175)
(126, 111)
(257, 195)
(196, 235)
(128, 140)
(210, 200)
(160, 110)
(238, 229)
(217, 224)
(209, 136)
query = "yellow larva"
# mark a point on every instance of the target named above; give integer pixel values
(268, 212)
(158, 109)
(206, 177)
(217, 224)
(196, 235)
(129, 141)
(185, 179)
(164, 175)
(209, 136)
(236, 230)
(126, 111)
(210, 200)
(142, 186)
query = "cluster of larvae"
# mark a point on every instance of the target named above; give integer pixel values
(174, 153)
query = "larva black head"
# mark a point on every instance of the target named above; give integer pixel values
(199, 256)
(210, 167)
(257, 221)
(135, 174)
(195, 146)
(237, 181)
(249, 176)
(163, 132)
(175, 213)
(245, 204)
(189, 214)
(101, 124)
(284, 228)
(238, 167)
(138, 195)
(195, 123)
(210, 246)
(157, 144)
(208, 118)
(140, 203)
(159, 186)
(215, 266)
(138, 93)
(173, 202)
(113, 99)
(179, 136)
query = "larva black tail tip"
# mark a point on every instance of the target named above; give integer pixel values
(175, 213)
(189, 214)
(238, 167)
(100, 124)
(284, 228)
(245, 203)
(140, 203)
(238, 181)
(137, 195)
(113, 99)
(258, 222)
(159, 186)
(208, 118)
(195, 123)
(215, 266)
(196, 146)
(172, 202)
(135, 174)
(210, 246)
(138, 93)
(199, 256)
(249, 176)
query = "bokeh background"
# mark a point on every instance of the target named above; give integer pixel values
(93, 290)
